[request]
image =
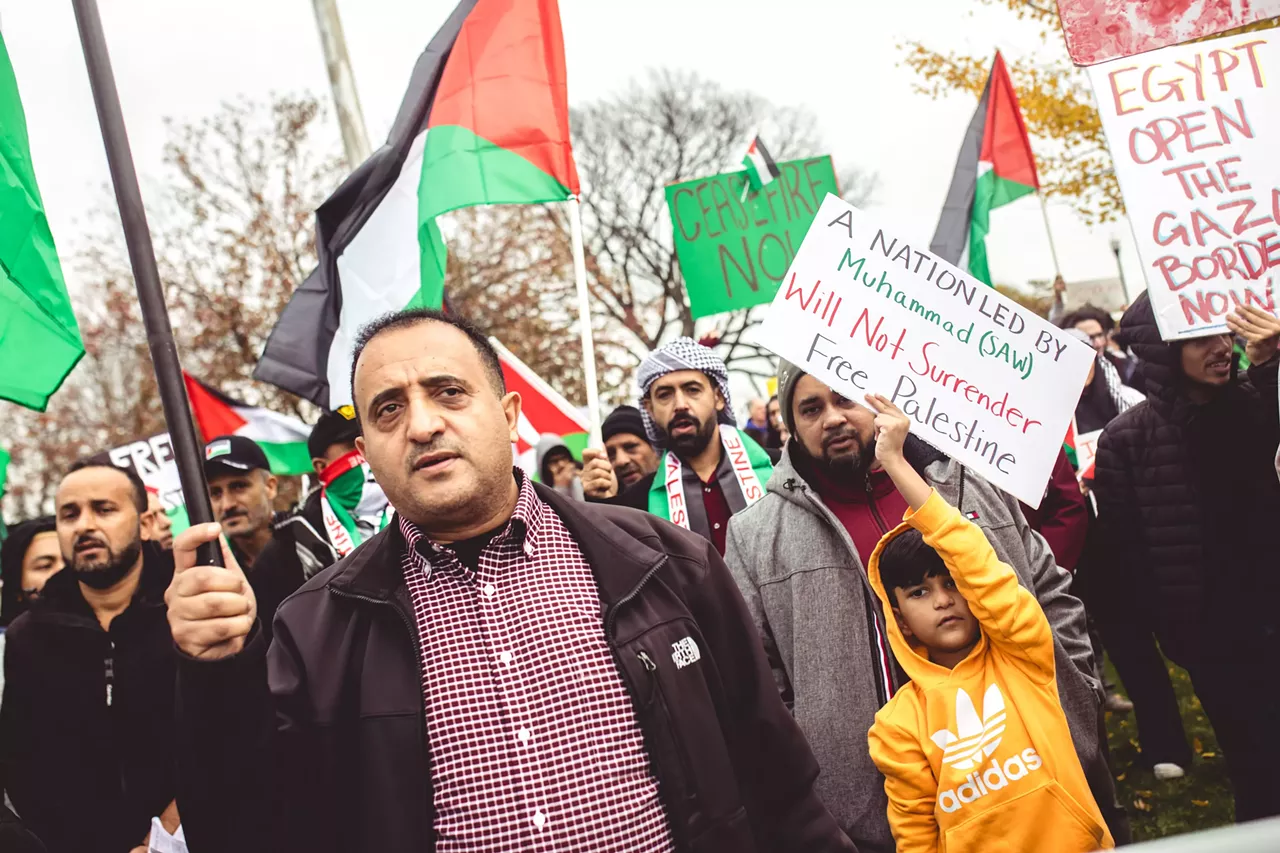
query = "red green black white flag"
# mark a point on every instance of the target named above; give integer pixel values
(485, 121)
(282, 438)
(760, 166)
(995, 167)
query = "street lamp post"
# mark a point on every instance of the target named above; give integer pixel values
(1115, 250)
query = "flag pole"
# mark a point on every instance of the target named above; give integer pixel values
(133, 216)
(584, 319)
(1044, 211)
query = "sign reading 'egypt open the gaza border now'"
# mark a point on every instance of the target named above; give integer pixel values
(1194, 131)
(981, 378)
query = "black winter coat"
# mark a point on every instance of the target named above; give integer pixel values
(86, 762)
(320, 743)
(1188, 500)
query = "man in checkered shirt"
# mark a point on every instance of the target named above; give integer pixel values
(499, 669)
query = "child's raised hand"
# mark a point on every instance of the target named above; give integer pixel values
(891, 428)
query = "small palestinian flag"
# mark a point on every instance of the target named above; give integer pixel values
(995, 167)
(281, 437)
(542, 410)
(761, 169)
(485, 121)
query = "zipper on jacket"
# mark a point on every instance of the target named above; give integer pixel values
(649, 665)
(612, 616)
(109, 667)
(875, 512)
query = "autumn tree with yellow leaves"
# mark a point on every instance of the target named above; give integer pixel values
(1057, 102)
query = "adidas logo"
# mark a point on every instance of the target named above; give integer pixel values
(976, 737)
(995, 777)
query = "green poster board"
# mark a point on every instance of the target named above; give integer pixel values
(734, 252)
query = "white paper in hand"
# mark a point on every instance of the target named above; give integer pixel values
(163, 842)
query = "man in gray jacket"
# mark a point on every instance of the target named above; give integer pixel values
(797, 556)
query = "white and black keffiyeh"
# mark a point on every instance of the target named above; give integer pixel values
(682, 354)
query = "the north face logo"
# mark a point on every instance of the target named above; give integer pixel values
(976, 737)
(685, 652)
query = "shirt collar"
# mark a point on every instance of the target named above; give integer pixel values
(524, 528)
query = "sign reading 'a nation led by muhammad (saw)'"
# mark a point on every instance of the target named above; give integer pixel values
(980, 377)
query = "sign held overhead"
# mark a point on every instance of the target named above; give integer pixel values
(982, 378)
(1194, 131)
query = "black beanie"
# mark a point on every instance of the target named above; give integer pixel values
(624, 419)
(338, 427)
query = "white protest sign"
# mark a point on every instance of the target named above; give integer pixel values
(1086, 453)
(152, 458)
(982, 379)
(1194, 131)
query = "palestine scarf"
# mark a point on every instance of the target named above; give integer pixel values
(751, 470)
(351, 502)
(751, 465)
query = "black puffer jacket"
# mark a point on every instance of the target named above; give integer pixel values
(1187, 503)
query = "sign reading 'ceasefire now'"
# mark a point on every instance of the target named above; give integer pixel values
(733, 245)
(981, 378)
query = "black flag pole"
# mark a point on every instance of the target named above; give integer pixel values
(164, 353)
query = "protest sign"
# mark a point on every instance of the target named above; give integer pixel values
(1194, 131)
(1086, 453)
(1098, 30)
(153, 461)
(981, 378)
(733, 251)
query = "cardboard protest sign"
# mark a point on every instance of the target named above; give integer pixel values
(982, 379)
(1194, 131)
(1099, 30)
(733, 252)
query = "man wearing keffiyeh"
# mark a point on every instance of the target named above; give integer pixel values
(709, 469)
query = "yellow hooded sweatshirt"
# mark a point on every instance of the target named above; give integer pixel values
(979, 758)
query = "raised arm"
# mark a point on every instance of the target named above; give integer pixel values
(1009, 614)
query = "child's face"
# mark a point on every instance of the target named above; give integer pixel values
(937, 615)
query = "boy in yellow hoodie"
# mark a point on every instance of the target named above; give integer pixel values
(975, 751)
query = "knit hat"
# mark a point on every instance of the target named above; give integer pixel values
(683, 354)
(624, 419)
(788, 375)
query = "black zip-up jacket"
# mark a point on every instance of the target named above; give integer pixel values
(333, 756)
(1187, 506)
(86, 729)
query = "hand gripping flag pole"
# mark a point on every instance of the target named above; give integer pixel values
(164, 353)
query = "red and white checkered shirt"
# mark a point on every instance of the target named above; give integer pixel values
(534, 742)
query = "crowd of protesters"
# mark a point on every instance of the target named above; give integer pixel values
(801, 630)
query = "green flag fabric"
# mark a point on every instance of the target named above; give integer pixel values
(734, 249)
(39, 339)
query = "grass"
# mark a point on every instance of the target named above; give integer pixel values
(1199, 800)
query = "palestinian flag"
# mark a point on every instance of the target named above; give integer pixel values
(485, 121)
(761, 169)
(542, 410)
(39, 338)
(281, 437)
(995, 167)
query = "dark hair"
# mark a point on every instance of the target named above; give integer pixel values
(139, 488)
(12, 552)
(1087, 312)
(414, 316)
(907, 561)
